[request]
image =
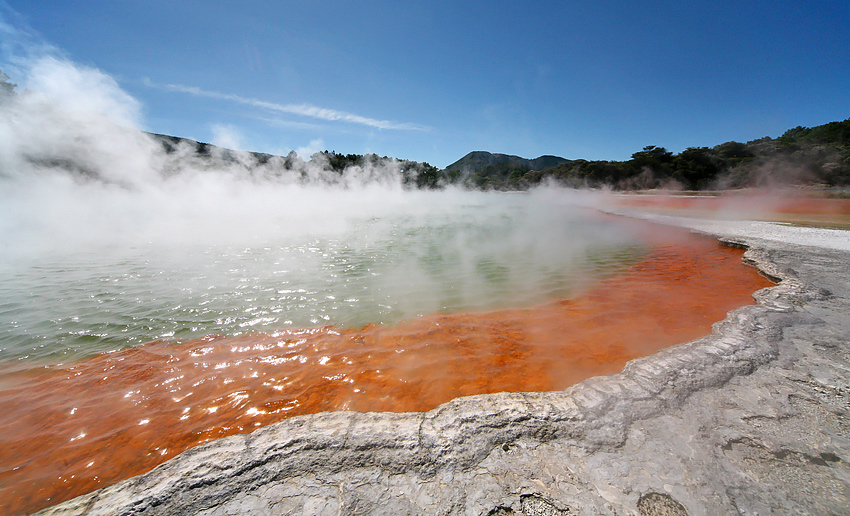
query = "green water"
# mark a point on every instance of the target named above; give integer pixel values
(431, 254)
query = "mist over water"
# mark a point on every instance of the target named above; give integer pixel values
(402, 255)
(109, 241)
(320, 289)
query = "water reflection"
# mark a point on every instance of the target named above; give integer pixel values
(72, 430)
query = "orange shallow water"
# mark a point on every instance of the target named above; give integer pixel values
(69, 431)
(756, 203)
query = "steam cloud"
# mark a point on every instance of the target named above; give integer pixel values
(86, 191)
(76, 171)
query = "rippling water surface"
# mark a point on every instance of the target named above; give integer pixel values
(117, 357)
(486, 251)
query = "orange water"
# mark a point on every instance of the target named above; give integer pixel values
(754, 203)
(69, 431)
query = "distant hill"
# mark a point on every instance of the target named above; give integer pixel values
(476, 161)
(801, 156)
(174, 144)
(325, 166)
(486, 170)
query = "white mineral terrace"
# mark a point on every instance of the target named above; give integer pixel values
(754, 230)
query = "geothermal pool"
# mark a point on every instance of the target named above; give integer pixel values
(118, 354)
(348, 267)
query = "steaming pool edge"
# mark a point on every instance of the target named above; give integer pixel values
(675, 429)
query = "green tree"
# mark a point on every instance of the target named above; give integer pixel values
(695, 167)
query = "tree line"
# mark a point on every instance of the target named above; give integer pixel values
(802, 155)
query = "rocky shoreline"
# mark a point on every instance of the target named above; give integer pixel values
(752, 419)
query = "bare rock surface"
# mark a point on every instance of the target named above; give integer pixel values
(752, 419)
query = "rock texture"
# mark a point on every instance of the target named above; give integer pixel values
(752, 419)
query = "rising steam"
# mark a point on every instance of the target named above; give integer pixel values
(76, 171)
(99, 215)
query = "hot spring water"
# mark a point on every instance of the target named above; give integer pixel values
(424, 253)
(380, 300)
(152, 301)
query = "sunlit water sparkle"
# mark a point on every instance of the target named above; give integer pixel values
(494, 251)
(396, 312)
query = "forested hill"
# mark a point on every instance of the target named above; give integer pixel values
(324, 166)
(477, 161)
(801, 156)
(486, 170)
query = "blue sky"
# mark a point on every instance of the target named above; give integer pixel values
(431, 81)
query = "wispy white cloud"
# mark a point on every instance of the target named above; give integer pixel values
(289, 124)
(305, 110)
(20, 44)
